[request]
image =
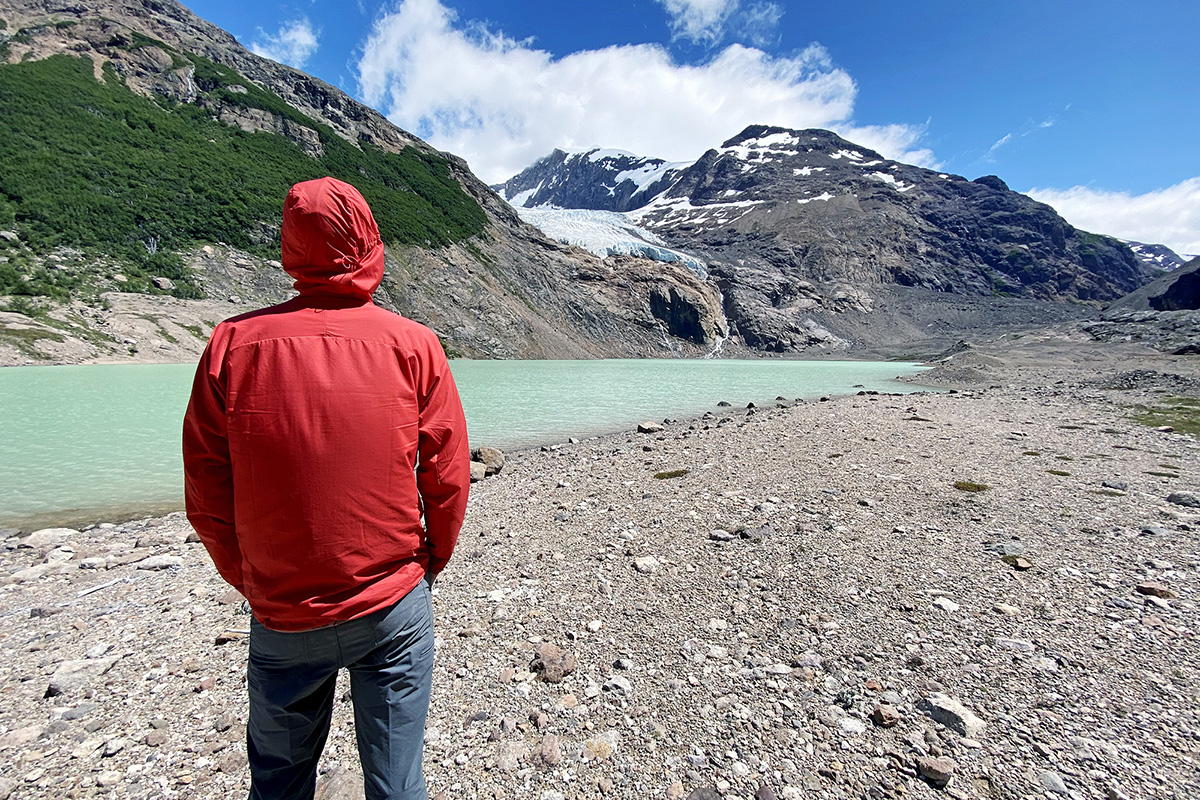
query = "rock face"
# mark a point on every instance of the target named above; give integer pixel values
(1164, 314)
(807, 235)
(508, 292)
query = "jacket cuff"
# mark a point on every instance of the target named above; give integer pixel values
(436, 565)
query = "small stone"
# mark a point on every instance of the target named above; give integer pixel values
(649, 427)
(1006, 610)
(87, 747)
(1053, 782)
(552, 663)
(156, 738)
(41, 612)
(1154, 589)
(885, 716)
(946, 604)
(852, 726)
(108, 778)
(21, 736)
(1120, 486)
(99, 650)
(73, 676)
(205, 685)
(646, 564)
(161, 283)
(1018, 563)
(93, 562)
(953, 714)
(937, 771)
(478, 471)
(619, 684)
(720, 535)
(600, 748)
(79, 712)
(764, 793)
(549, 750)
(810, 660)
(705, 793)
(510, 756)
(47, 538)
(114, 746)
(1007, 548)
(155, 563)
(1186, 499)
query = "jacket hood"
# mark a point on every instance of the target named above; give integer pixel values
(331, 244)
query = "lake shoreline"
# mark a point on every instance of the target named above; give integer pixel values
(112, 453)
(808, 602)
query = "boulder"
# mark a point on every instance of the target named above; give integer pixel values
(492, 459)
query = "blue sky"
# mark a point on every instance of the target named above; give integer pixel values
(1091, 106)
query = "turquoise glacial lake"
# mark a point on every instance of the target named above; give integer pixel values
(89, 443)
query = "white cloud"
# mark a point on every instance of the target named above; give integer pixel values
(1168, 216)
(710, 21)
(502, 104)
(293, 45)
(990, 155)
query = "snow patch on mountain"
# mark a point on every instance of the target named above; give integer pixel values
(1158, 256)
(606, 233)
(649, 173)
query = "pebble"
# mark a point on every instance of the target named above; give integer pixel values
(946, 604)
(1155, 589)
(1053, 782)
(885, 716)
(937, 771)
(646, 564)
(154, 563)
(1187, 499)
(953, 714)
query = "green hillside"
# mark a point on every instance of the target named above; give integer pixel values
(95, 167)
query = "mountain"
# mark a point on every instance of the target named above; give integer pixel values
(814, 240)
(146, 156)
(602, 180)
(1158, 256)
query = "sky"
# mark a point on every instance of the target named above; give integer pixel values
(1092, 106)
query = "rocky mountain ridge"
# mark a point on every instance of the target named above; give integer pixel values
(811, 238)
(1158, 255)
(500, 289)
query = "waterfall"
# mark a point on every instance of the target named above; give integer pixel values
(715, 352)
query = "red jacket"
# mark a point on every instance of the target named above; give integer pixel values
(320, 429)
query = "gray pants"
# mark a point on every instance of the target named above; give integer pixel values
(291, 683)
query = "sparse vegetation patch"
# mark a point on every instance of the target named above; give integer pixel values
(1180, 413)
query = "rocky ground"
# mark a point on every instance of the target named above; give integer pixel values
(816, 600)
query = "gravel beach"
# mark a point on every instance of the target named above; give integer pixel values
(988, 592)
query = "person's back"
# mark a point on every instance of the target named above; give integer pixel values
(319, 432)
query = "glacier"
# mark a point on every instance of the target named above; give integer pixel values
(605, 233)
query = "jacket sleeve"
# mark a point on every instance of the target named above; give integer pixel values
(443, 461)
(208, 472)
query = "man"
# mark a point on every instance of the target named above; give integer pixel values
(318, 432)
